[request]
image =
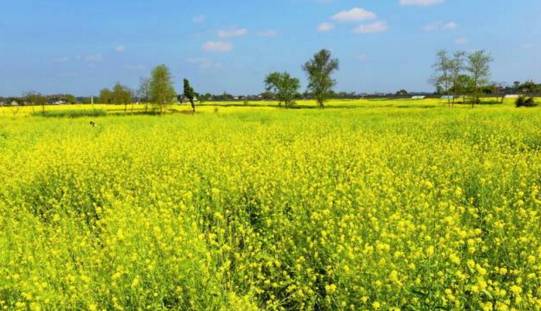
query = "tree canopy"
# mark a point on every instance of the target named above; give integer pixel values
(161, 89)
(319, 70)
(283, 87)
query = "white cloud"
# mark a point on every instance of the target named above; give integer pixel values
(421, 2)
(461, 40)
(353, 15)
(120, 49)
(204, 63)
(268, 33)
(199, 19)
(378, 26)
(217, 46)
(325, 27)
(439, 26)
(232, 33)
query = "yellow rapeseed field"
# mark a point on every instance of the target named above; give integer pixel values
(383, 205)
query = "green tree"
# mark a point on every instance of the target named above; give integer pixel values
(319, 70)
(189, 93)
(479, 69)
(106, 96)
(161, 88)
(121, 95)
(283, 86)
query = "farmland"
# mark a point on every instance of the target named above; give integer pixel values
(382, 204)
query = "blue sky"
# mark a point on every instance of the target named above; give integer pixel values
(80, 47)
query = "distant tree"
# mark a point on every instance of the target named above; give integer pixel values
(319, 70)
(516, 85)
(161, 88)
(70, 99)
(143, 92)
(189, 93)
(457, 66)
(443, 73)
(529, 87)
(283, 87)
(402, 92)
(205, 97)
(35, 98)
(106, 96)
(479, 69)
(121, 95)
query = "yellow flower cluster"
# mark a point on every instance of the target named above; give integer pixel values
(341, 209)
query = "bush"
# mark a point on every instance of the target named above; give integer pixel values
(524, 101)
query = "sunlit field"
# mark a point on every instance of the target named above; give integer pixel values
(366, 204)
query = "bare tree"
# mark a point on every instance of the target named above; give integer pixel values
(143, 92)
(442, 77)
(479, 70)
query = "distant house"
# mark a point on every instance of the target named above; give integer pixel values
(512, 96)
(418, 97)
(447, 97)
(14, 103)
(2, 103)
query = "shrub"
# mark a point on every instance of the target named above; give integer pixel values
(524, 101)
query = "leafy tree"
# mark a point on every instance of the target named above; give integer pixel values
(283, 87)
(479, 69)
(319, 70)
(106, 96)
(189, 93)
(161, 88)
(121, 95)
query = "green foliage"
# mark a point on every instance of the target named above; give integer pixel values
(121, 95)
(161, 89)
(189, 93)
(283, 86)
(106, 96)
(319, 70)
(524, 101)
